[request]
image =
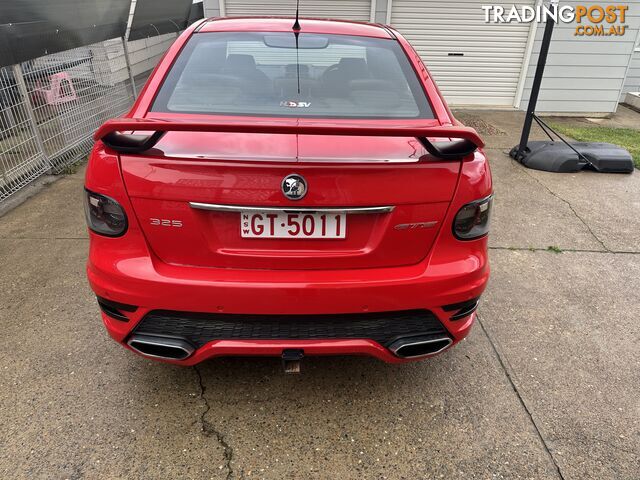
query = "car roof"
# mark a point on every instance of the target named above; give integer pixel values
(284, 24)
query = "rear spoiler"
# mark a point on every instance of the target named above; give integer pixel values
(466, 139)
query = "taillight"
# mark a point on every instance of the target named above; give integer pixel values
(104, 215)
(472, 220)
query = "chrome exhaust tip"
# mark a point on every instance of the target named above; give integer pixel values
(161, 347)
(420, 346)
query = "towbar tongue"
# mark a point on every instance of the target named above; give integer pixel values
(291, 359)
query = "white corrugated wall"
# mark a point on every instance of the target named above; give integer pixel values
(583, 74)
(473, 62)
(342, 9)
(632, 83)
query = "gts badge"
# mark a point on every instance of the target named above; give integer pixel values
(165, 222)
(415, 226)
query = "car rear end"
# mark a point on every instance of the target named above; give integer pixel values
(288, 194)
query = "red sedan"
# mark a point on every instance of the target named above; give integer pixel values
(288, 189)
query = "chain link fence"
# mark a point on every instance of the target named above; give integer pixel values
(50, 106)
(22, 156)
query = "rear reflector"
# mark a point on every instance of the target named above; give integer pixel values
(462, 309)
(115, 309)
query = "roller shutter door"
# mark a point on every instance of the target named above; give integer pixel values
(343, 9)
(473, 62)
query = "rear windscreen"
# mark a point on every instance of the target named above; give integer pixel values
(277, 74)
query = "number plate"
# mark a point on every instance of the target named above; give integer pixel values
(292, 225)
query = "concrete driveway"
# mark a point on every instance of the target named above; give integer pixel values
(547, 385)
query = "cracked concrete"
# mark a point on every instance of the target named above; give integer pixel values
(609, 206)
(529, 214)
(208, 430)
(571, 207)
(507, 371)
(356, 418)
(569, 329)
(545, 386)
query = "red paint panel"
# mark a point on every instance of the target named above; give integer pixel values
(205, 265)
(162, 189)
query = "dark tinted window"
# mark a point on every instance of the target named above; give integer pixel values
(265, 74)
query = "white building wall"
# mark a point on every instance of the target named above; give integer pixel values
(583, 75)
(211, 8)
(144, 54)
(632, 83)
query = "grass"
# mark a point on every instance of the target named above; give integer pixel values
(624, 137)
(73, 168)
(554, 249)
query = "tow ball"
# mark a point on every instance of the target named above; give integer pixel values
(291, 359)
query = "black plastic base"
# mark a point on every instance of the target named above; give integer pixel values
(558, 157)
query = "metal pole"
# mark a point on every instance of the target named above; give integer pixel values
(22, 88)
(537, 81)
(128, 61)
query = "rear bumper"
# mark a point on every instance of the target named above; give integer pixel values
(135, 277)
(273, 348)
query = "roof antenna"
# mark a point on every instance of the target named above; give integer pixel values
(296, 24)
(296, 32)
